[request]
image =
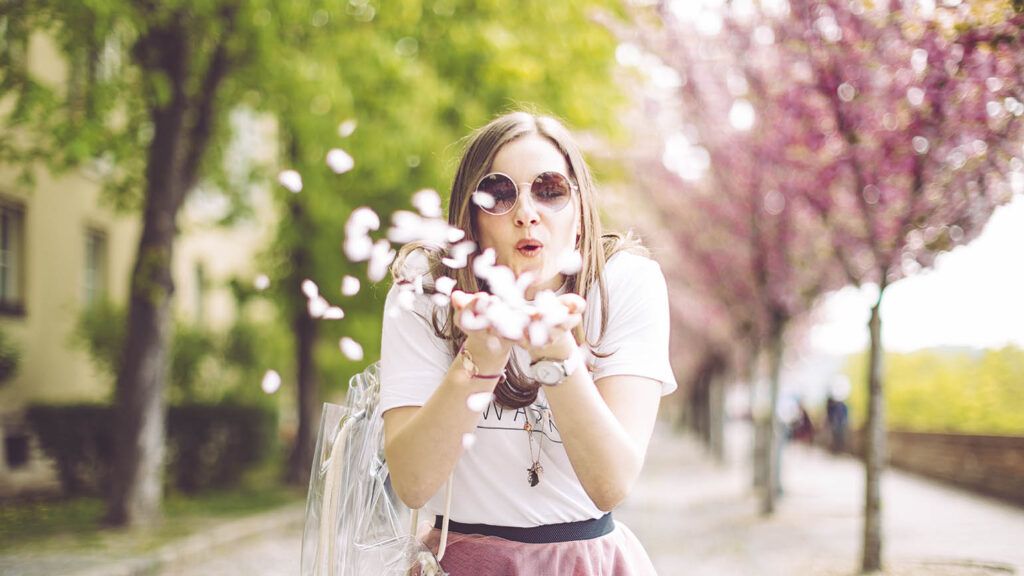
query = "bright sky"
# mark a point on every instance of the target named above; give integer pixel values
(973, 297)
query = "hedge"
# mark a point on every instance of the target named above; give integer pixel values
(208, 446)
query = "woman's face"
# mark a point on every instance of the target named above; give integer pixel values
(530, 237)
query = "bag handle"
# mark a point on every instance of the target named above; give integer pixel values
(444, 519)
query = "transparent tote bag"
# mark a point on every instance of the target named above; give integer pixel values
(355, 523)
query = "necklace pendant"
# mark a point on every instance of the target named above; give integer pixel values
(533, 474)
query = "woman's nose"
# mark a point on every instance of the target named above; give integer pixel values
(526, 213)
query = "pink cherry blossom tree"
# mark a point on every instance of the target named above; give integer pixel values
(748, 241)
(897, 127)
(913, 121)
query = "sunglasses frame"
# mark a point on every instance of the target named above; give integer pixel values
(573, 188)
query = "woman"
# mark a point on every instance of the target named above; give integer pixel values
(538, 470)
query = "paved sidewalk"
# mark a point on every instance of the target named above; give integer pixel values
(696, 518)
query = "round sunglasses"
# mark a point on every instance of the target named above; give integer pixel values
(498, 194)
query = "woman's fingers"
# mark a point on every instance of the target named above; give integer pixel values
(460, 299)
(471, 316)
(468, 311)
(573, 302)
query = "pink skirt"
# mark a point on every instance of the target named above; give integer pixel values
(617, 553)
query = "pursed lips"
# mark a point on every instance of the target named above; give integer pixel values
(529, 243)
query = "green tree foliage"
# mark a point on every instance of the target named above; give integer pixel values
(416, 77)
(967, 391)
(147, 98)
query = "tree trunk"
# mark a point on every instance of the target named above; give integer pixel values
(136, 484)
(716, 413)
(182, 128)
(874, 447)
(760, 446)
(300, 460)
(136, 487)
(772, 453)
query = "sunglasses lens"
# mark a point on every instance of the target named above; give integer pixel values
(496, 194)
(551, 190)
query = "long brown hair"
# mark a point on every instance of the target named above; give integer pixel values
(595, 247)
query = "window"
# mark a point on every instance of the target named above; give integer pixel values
(12, 258)
(16, 450)
(95, 285)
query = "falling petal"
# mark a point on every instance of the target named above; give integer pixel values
(551, 310)
(483, 200)
(468, 439)
(291, 180)
(349, 286)
(351, 349)
(573, 302)
(539, 333)
(380, 258)
(405, 227)
(483, 263)
(358, 248)
(427, 202)
(340, 161)
(440, 299)
(406, 299)
(509, 322)
(504, 284)
(570, 263)
(361, 221)
(309, 288)
(444, 285)
(317, 306)
(346, 128)
(333, 313)
(460, 298)
(409, 226)
(271, 382)
(524, 281)
(262, 282)
(455, 234)
(471, 321)
(459, 254)
(478, 401)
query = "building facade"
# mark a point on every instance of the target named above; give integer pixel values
(62, 248)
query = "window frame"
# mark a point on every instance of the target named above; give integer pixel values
(13, 306)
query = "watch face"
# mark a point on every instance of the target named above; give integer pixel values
(548, 372)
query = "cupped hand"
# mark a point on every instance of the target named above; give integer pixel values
(470, 315)
(544, 340)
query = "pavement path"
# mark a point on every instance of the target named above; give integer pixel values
(699, 518)
(696, 518)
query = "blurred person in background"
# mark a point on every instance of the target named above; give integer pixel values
(836, 414)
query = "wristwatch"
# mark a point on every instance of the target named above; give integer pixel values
(551, 372)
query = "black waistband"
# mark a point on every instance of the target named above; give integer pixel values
(548, 533)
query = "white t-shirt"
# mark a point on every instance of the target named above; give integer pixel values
(490, 484)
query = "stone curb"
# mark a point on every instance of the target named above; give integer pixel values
(202, 543)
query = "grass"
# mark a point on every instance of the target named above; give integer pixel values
(47, 524)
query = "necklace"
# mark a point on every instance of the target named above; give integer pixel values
(534, 472)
